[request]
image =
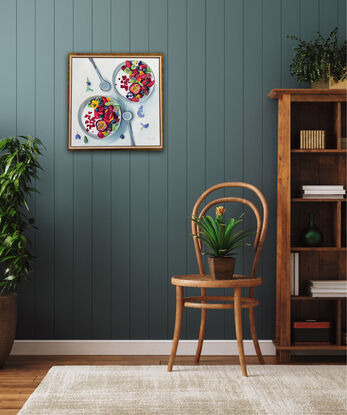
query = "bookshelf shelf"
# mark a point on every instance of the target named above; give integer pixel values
(318, 248)
(312, 347)
(320, 200)
(298, 110)
(325, 151)
(308, 298)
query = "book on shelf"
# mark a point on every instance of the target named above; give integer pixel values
(323, 191)
(294, 273)
(326, 288)
(311, 331)
(322, 186)
(312, 139)
(327, 284)
(310, 324)
(330, 295)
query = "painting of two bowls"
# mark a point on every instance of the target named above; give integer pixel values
(115, 101)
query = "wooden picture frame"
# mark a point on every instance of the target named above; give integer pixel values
(115, 101)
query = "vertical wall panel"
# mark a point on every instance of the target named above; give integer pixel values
(176, 148)
(216, 74)
(233, 114)
(290, 26)
(309, 18)
(196, 134)
(8, 46)
(83, 220)
(114, 226)
(101, 198)
(26, 126)
(157, 192)
(44, 119)
(328, 18)
(253, 93)
(120, 194)
(63, 174)
(341, 17)
(271, 76)
(139, 198)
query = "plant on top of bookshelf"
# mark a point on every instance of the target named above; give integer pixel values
(319, 61)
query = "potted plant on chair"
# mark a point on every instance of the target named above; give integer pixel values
(18, 168)
(221, 239)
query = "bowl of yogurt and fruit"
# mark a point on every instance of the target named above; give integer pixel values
(134, 80)
(100, 116)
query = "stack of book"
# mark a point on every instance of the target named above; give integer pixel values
(344, 143)
(294, 273)
(311, 331)
(323, 192)
(312, 139)
(330, 288)
(344, 337)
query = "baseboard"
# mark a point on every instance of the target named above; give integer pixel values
(135, 347)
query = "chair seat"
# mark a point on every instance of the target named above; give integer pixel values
(206, 281)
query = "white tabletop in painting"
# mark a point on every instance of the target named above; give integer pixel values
(145, 122)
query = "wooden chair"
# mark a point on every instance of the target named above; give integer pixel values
(204, 281)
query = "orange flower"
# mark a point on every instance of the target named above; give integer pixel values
(220, 210)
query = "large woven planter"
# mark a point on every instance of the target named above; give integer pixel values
(8, 323)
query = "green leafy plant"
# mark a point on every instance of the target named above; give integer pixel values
(319, 58)
(18, 168)
(221, 238)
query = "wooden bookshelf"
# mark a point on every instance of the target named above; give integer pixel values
(306, 109)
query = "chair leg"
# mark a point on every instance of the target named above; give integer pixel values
(254, 336)
(202, 329)
(178, 324)
(238, 327)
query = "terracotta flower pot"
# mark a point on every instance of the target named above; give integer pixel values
(221, 268)
(8, 323)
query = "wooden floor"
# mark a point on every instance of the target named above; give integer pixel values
(22, 374)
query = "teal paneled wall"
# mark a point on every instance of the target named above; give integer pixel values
(113, 225)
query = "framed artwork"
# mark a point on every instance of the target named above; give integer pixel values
(115, 101)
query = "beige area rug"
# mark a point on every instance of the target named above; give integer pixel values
(190, 390)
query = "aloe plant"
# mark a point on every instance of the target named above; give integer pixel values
(18, 168)
(221, 238)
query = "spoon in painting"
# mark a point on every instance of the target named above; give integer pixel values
(104, 85)
(127, 116)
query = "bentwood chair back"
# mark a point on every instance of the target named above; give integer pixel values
(262, 221)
